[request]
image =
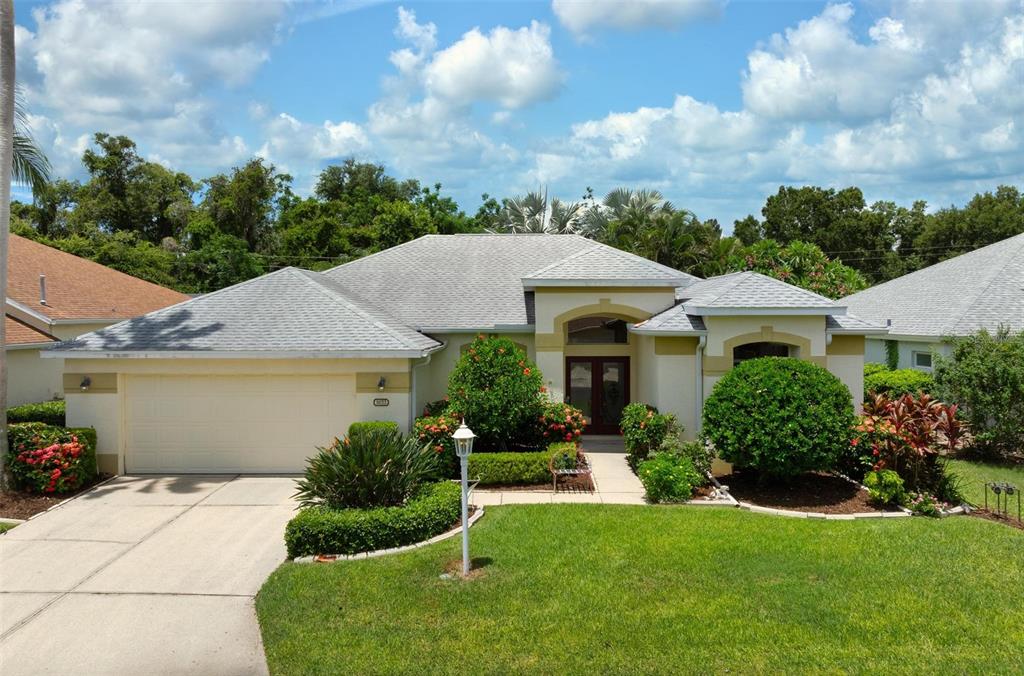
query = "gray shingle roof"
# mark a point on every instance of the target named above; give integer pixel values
(601, 264)
(672, 321)
(457, 281)
(751, 291)
(957, 297)
(287, 311)
(850, 324)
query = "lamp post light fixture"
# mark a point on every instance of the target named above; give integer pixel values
(463, 438)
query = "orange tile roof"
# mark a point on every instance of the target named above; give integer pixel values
(77, 288)
(19, 333)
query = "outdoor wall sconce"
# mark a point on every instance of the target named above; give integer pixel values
(86, 383)
(382, 383)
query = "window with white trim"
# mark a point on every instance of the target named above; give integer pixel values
(922, 360)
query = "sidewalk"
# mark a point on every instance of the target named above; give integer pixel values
(614, 481)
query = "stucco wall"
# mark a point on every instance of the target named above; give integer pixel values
(31, 378)
(874, 350)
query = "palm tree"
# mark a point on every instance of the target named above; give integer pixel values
(535, 213)
(6, 156)
(623, 214)
(30, 166)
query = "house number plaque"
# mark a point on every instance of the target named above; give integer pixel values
(381, 402)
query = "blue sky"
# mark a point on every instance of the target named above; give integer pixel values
(714, 103)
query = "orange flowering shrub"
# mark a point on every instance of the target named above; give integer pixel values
(47, 459)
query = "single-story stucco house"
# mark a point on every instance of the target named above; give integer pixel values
(253, 377)
(982, 289)
(54, 296)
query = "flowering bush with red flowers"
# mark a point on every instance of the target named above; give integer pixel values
(436, 432)
(561, 422)
(499, 391)
(907, 435)
(48, 459)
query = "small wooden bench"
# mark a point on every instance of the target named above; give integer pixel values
(582, 469)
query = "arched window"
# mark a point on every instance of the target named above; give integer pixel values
(755, 350)
(596, 331)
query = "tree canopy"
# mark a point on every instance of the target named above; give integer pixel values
(144, 219)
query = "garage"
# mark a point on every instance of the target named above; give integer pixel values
(236, 423)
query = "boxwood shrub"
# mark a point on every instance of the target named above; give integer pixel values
(368, 425)
(895, 383)
(779, 416)
(320, 530)
(49, 412)
(515, 467)
(23, 438)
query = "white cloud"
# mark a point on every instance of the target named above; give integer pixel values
(887, 111)
(511, 67)
(581, 16)
(144, 69)
(290, 143)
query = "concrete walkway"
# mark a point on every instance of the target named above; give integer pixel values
(143, 575)
(614, 481)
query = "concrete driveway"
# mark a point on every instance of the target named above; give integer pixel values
(143, 575)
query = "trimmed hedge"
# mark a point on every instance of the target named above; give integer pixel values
(319, 530)
(32, 435)
(515, 468)
(895, 383)
(49, 412)
(370, 425)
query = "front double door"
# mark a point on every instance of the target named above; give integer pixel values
(598, 386)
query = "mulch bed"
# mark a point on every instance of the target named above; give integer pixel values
(811, 492)
(989, 515)
(22, 505)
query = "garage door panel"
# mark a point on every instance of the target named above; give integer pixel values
(232, 423)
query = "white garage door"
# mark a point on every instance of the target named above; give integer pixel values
(180, 424)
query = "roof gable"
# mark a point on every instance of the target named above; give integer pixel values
(76, 288)
(601, 264)
(980, 289)
(752, 291)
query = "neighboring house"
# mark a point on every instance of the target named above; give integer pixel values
(982, 289)
(52, 296)
(253, 377)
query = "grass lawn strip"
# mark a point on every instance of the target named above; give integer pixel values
(973, 476)
(623, 589)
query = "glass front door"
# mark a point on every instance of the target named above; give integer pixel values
(598, 386)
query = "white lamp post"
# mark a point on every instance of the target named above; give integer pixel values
(463, 447)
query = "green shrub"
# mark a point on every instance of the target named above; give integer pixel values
(49, 459)
(871, 368)
(644, 429)
(699, 453)
(885, 487)
(926, 504)
(320, 530)
(49, 412)
(779, 416)
(895, 383)
(985, 376)
(367, 425)
(669, 478)
(513, 468)
(376, 468)
(438, 407)
(892, 354)
(499, 392)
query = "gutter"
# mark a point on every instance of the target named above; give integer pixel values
(700, 383)
(413, 407)
(57, 353)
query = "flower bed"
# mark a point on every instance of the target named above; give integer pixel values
(815, 492)
(321, 530)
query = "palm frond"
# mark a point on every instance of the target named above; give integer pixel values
(30, 165)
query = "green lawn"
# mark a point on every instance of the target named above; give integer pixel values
(973, 476)
(6, 526)
(622, 589)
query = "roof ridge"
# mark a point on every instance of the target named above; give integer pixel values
(376, 253)
(354, 307)
(775, 280)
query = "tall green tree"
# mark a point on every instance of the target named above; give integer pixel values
(6, 160)
(243, 204)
